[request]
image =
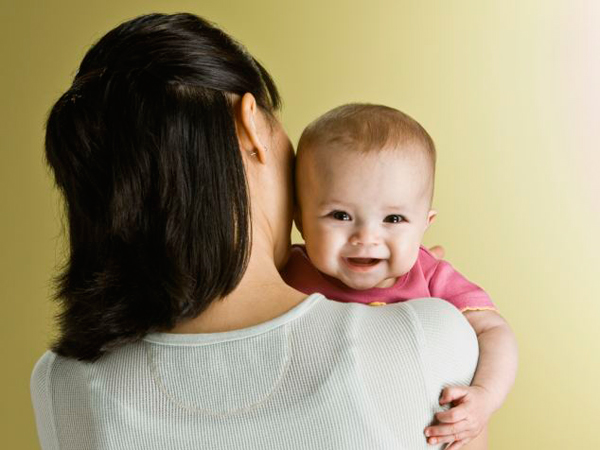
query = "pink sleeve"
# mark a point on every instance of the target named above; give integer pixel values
(446, 283)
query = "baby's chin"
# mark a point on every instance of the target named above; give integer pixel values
(363, 285)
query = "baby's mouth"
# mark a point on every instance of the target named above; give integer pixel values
(362, 263)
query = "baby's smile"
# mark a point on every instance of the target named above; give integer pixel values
(362, 264)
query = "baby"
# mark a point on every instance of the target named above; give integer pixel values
(364, 176)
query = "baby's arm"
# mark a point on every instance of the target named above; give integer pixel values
(473, 405)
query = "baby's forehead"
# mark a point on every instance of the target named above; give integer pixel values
(347, 172)
(352, 157)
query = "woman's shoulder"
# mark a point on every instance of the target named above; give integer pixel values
(436, 310)
(435, 322)
(431, 328)
(43, 374)
(434, 333)
(52, 369)
(402, 354)
(42, 399)
(42, 367)
(443, 324)
(55, 373)
(420, 313)
(58, 383)
(450, 350)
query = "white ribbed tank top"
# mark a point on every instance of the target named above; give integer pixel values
(324, 375)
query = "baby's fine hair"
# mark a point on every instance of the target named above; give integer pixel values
(366, 127)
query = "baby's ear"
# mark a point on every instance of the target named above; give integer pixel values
(431, 215)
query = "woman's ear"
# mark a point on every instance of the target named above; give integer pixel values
(250, 125)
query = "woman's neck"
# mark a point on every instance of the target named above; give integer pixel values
(260, 296)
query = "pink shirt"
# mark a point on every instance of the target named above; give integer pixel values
(429, 277)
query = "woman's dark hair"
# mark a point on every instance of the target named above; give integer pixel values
(143, 147)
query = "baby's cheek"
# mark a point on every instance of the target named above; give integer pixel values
(323, 255)
(404, 261)
(317, 254)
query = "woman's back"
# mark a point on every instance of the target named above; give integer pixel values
(323, 375)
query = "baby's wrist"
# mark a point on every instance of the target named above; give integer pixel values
(494, 398)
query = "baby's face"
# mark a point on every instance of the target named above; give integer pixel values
(363, 216)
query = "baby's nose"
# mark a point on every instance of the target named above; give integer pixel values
(365, 236)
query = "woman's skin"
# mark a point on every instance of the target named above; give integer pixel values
(262, 295)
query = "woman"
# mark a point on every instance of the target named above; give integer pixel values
(177, 330)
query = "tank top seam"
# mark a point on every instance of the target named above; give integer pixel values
(246, 408)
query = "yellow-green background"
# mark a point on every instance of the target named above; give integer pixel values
(508, 89)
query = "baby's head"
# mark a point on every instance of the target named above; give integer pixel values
(364, 181)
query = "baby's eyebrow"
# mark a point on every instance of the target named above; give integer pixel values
(333, 202)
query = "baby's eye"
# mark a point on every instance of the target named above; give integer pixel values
(394, 218)
(340, 215)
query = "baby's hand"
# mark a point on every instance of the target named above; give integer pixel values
(438, 251)
(469, 414)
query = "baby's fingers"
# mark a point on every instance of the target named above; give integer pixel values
(447, 430)
(453, 415)
(457, 444)
(452, 393)
(449, 438)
